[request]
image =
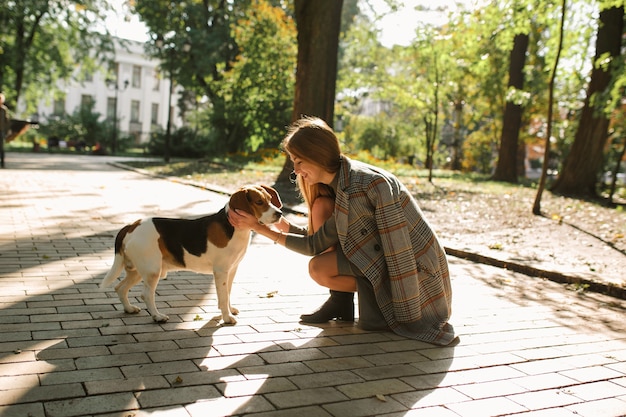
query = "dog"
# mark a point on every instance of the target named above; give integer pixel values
(148, 249)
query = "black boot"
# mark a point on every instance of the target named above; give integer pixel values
(340, 306)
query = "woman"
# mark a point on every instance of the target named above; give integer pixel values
(384, 246)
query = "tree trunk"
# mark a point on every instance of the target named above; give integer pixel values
(618, 162)
(506, 168)
(580, 168)
(318, 25)
(544, 169)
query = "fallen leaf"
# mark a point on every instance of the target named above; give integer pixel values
(381, 397)
(269, 294)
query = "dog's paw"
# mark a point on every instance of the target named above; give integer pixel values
(160, 318)
(234, 310)
(229, 321)
(132, 309)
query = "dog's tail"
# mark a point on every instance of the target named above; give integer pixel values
(114, 272)
(118, 262)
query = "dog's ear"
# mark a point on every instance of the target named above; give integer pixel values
(274, 194)
(239, 201)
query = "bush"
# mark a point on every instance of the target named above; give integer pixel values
(184, 143)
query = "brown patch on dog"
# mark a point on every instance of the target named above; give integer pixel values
(166, 254)
(239, 201)
(274, 196)
(119, 239)
(217, 235)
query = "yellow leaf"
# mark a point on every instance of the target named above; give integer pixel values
(381, 397)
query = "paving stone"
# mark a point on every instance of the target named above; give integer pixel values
(486, 407)
(304, 397)
(91, 405)
(374, 388)
(313, 411)
(364, 407)
(222, 407)
(41, 393)
(22, 410)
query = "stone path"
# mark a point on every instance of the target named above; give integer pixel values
(527, 347)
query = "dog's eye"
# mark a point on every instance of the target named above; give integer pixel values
(258, 202)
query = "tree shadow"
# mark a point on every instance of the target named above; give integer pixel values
(594, 236)
(570, 306)
(77, 353)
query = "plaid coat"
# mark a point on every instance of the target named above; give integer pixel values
(382, 231)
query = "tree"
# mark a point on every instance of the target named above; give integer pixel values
(506, 168)
(257, 90)
(241, 59)
(318, 24)
(41, 40)
(578, 176)
(542, 180)
(475, 74)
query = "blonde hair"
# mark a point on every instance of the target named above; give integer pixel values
(310, 192)
(312, 140)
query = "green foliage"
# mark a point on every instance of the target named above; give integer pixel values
(41, 40)
(379, 136)
(184, 142)
(257, 89)
(478, 152)
(242, 60)
(82, 126)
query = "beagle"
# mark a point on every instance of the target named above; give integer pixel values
(148, 249)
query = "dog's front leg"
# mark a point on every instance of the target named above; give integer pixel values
(223, 295)
(231, 278)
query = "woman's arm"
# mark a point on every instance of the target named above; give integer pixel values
(242, 220)
(324, 238)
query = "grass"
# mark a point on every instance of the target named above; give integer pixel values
(234, 171)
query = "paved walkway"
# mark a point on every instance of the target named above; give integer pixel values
(527, 347)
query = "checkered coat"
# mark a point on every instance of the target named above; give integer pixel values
(382, 231)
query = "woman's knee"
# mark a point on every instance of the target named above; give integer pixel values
(318, 270)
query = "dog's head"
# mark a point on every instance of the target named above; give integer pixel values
(261, 201)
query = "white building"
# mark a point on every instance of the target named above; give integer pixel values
(141, 95)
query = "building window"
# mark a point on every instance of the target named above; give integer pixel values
(111, 108)
(59, 107)
(157, 82)
(155, 114)
(113, 73)
(86, 101)
(136, 76)
(134, 111)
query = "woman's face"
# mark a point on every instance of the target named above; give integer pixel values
(309, 172)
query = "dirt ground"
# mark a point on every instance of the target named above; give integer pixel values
(574, 240)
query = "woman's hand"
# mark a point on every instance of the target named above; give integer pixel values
(242, 220)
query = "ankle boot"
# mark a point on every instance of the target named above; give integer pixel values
(340, 306)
